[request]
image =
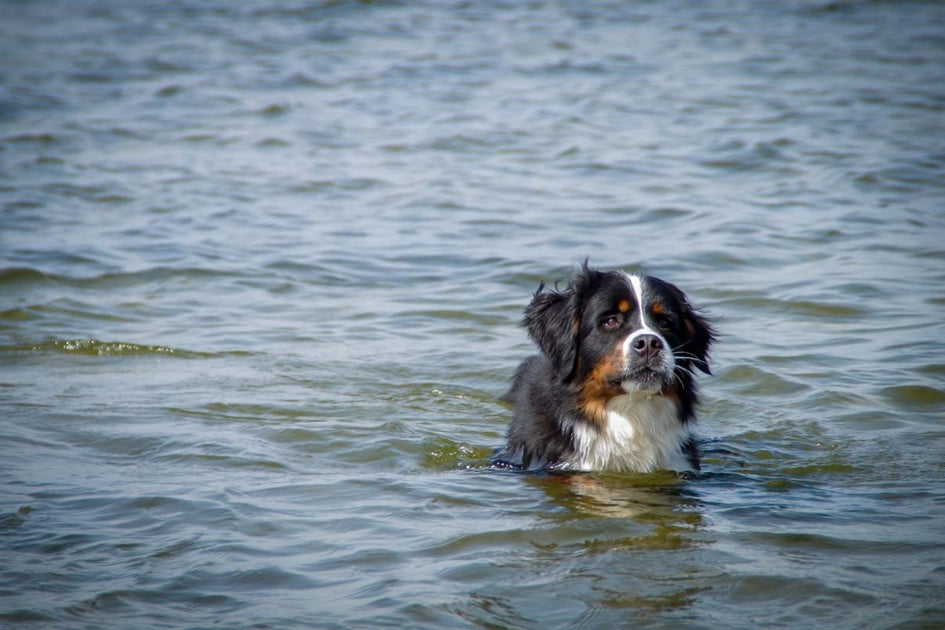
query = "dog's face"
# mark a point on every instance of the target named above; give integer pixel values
(611, 333)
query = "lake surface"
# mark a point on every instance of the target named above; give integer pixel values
(262, 267)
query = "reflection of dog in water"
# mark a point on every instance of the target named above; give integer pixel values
(614, 386)
(655, 511)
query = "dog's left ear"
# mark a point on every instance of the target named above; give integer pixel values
(701, 334)
(552, 322)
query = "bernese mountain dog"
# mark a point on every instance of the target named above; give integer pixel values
(614, 386)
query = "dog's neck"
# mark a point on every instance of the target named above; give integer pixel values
(642, 433)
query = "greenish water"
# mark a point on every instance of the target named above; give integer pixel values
(261, 272)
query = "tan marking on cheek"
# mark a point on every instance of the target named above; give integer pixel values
(599, 388)
(624, 306)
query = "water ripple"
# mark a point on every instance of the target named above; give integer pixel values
(262, 271)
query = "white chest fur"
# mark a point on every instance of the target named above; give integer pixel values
(642, 434)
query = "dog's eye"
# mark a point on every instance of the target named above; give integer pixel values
(665, 323)
(610, 323)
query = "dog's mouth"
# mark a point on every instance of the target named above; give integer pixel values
(642, 379)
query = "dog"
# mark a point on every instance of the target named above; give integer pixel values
(614, 386)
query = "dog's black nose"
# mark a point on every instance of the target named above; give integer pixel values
(647, 346)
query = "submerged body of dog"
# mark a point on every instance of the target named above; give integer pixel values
(614, 387)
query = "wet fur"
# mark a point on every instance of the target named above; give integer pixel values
(592, 400)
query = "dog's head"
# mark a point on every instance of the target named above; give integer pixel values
(612, 333)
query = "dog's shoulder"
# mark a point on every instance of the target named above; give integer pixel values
(536, 437)
(531, 372)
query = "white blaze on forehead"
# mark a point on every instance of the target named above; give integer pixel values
(636, 283)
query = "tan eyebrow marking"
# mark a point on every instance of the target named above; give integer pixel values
(624, 306)
(657, 308)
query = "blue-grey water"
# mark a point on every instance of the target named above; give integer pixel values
(262, 266)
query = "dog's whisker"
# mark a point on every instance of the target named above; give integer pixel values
(684, 369)
(690, 357)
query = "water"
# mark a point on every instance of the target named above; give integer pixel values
(261, 271)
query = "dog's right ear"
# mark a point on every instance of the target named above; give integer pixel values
(552, 321)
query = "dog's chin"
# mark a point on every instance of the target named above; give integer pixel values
(643, 381)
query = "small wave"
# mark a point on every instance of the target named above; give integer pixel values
(915, 397)
(22, 275)
(94, 347)
(754, 381)
(443, 454)
(31, 275)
